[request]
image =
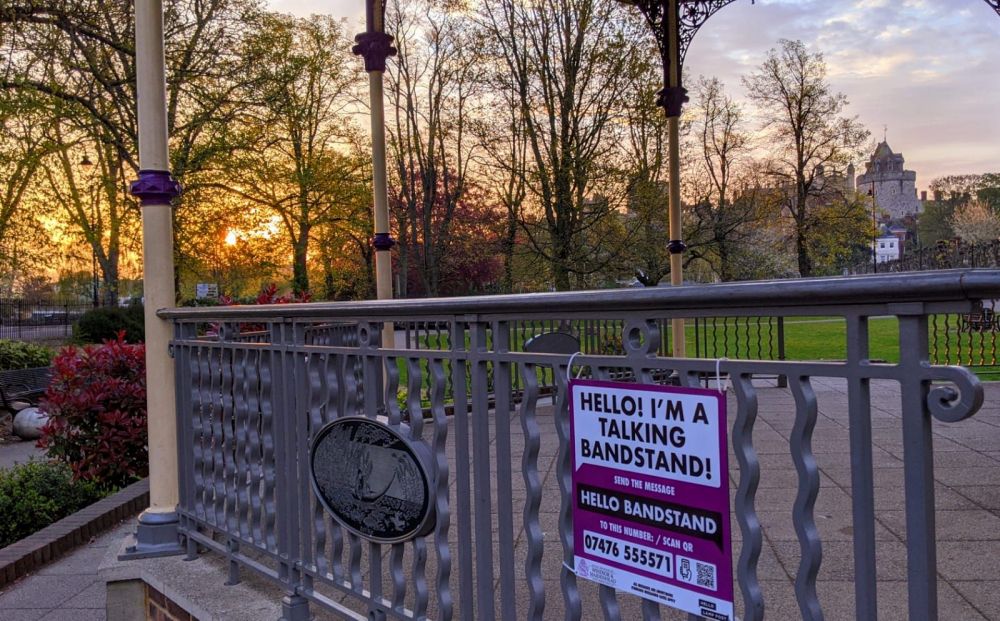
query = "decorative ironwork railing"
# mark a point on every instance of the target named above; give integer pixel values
(458, 380)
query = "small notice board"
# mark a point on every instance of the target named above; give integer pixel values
(651, 493)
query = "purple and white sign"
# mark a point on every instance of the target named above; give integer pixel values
(651, 493)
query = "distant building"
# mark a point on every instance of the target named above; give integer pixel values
(888, 248)
(894, 187)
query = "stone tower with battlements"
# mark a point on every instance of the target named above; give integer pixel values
(894, 187)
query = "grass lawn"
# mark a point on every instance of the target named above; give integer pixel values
(806, 338)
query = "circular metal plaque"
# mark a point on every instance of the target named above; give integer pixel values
(372, 480)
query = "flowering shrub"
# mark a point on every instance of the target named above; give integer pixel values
(97, 412)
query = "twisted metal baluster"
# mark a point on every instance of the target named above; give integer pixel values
(198, 373)
(228, 446)
(533, 493)
(254, 448)
(241, 390)
(218, 438)
(802, 512)
(607, 596)
(564, 474)
(414, 409)
(267, 438)
(442, 510)
(746, 514)
(334, 374)
(320, 363)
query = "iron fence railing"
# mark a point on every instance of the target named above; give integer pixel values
(944, 255)
(249, 409)
(34, 320)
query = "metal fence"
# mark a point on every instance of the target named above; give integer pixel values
(502, 541)
(944, 255)
(34, 320)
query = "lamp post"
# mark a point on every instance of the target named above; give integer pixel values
(86, 164)
(375, 46)
(871, 193)
(674, 24)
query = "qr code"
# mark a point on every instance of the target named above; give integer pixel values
(706, 575)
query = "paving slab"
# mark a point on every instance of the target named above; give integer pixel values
(68, 589)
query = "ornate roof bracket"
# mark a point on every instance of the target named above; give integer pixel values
(691, 14)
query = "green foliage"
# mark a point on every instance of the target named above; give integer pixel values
(840, 236)
(103, 324)
(36, 494)
(19, 355)
(935, 222)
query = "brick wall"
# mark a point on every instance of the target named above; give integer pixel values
(160, 608)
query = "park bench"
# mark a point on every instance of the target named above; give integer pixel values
(982, 321)
(26, 385)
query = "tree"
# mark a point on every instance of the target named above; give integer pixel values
(93, 202)
(644, 166)
(432, 83)
(976, 223)
(803, 120)
(571, 64)
(79, 57)
(306, 167)
(934, 223)
(731, 203)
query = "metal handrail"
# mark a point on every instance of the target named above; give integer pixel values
(929, 287)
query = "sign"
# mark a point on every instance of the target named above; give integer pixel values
(204, 290)
(651, 493)
(373, 480)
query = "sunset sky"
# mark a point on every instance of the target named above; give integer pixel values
(921, 67)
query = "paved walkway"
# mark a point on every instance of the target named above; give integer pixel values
(67, 590)
(967, 474)
(18, 453)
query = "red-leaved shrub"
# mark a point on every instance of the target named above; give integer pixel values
(97, 412)
(268, 295)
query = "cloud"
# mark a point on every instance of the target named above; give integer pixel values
(922, 67)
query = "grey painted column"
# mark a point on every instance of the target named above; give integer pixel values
(156, 534)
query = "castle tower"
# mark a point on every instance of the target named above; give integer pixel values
(894, 187)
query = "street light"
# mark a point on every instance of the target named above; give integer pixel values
(674, 24)
(871, 193)
(86, 164)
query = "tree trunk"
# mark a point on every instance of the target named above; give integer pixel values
(805, 262)
(300, 273)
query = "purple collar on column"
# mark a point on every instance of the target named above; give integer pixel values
(155, 187)
(383, 241)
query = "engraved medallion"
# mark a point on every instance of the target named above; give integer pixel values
(373, 480)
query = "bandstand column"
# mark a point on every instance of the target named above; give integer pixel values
(375, 46)
(672, 98)
(157, 531)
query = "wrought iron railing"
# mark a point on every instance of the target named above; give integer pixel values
(952, 254)
(501, 546)
(38, 320)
